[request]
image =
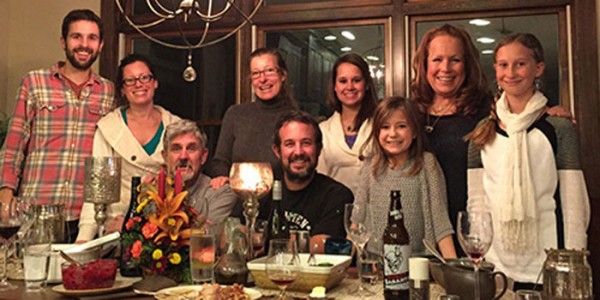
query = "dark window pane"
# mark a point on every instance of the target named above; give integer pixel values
(207, 98)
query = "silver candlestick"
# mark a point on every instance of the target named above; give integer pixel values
(102, 185)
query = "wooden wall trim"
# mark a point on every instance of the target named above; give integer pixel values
(587, 110)
(109, 59)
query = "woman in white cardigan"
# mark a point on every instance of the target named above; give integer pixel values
(353, 97)
(134, 132)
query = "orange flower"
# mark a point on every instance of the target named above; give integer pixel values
(170, 216)
(149, 230)
(136, 249)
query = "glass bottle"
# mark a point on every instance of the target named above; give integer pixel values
(278, 224)
(128, 266)
(396, 251)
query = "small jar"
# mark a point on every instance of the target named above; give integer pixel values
(567, 274)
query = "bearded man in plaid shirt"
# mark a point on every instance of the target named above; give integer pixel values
(52, 130)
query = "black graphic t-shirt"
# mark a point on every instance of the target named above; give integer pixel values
(318, 208)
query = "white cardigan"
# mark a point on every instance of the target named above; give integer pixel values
(113, 138)
(337, 160)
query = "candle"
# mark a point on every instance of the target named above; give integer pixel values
(250, 176)
(161, 183)
(178, 181)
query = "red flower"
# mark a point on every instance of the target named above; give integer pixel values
(136, 249)
(149, 230)
(131, 222)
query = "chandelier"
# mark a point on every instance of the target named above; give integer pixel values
(181, 12)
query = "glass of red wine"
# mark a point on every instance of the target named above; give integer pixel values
(10, 222)
(282, 264)
(475, 234)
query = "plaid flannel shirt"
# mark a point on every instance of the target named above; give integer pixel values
(50, 135)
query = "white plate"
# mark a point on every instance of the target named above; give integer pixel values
(119, 285)
(173, 292)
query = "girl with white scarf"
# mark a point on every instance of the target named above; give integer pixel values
(524, 167)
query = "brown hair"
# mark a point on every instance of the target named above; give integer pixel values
(369, 100)
(474, 90)
(284, 93)
(485, 133)
(382, 112)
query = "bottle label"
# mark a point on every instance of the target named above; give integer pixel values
(395, 266)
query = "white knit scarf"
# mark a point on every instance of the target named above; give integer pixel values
(517, 209)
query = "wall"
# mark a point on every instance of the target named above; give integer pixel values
(31, 40)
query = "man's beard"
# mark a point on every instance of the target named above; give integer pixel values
(71, 57)
(187, 165)
(303, 175)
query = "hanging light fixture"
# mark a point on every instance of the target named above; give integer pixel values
(186, 12)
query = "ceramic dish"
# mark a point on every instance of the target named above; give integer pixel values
(192, 291)
(329, 274)
(119, 285)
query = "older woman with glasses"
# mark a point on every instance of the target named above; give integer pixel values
(247, 130)
(134, 132)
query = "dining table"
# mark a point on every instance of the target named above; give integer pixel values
(345, 290)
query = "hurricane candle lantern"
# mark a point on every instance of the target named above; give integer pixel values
(102, 185)
(251, 181)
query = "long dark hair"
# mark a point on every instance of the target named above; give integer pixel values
(129, 59)
(369, 100)
(474, 91)
(284, 93)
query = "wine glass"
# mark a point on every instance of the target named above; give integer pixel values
(356, 222)
(10, 222)
(475, 235)
(282, 264)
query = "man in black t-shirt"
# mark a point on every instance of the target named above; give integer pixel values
(311, 201)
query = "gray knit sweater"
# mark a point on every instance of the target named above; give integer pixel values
(423, 201)
(247, 136)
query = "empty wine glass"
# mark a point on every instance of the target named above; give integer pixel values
(475, 234)
(10, 222)
(357, 218)
(282, 264)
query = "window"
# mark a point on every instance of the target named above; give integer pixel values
(204, 100)
(311, 52)
(554, 83)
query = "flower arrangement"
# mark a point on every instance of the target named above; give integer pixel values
(158, 237)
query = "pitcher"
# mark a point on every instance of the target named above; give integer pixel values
(567, 275)
(231, 267)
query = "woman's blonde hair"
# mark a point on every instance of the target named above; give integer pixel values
(383, 111)
(485, 133)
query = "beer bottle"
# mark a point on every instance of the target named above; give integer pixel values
(128, 266)
(396, 251)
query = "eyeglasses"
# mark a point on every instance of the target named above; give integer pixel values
(267, 72)
(142, 79)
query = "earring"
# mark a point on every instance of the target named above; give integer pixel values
(537, 82)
